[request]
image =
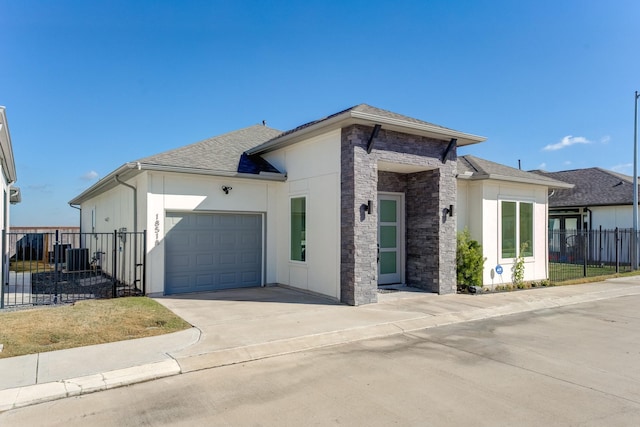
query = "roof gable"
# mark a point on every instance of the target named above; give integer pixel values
(475, 168)
(370, 116)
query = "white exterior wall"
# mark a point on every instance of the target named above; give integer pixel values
(171, 192)
(484, 225)
(109, 211)
(610, 217)
(313, 171)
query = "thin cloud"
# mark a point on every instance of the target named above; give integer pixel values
(622, 168)
(542, 166)
(567, 162)
(89, 176)
(605, 139)
(567, 141)
(41, 188)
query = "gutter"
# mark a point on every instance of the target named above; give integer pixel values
(137, 166)
(552, 184)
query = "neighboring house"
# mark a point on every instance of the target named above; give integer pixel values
(302, 208)
(505, 210)
(582, 219)
(599, 199)
(10, 194)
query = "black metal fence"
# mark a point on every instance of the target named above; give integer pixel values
(586, 253)
(58, 267)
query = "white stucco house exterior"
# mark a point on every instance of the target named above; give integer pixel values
(506, 211)
(301, 208)
(10, 193)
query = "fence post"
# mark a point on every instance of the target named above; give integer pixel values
(617, 252)
(5, 267)
(115, 262)
(144, 262)
(585, 243)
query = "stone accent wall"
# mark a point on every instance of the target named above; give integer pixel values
(430, 235)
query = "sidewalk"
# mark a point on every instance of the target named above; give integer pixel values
(241, 325)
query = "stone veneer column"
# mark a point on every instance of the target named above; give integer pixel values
(359, 181)
(447, 182)
(430, 235)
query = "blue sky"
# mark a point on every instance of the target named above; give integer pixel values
(90, 85)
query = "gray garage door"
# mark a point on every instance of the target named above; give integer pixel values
(211, 251)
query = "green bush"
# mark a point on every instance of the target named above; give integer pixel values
(518, 268)
(469, 260)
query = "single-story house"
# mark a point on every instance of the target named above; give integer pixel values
(301, 208)
(505, 209)
(598, 199)
(10, 194)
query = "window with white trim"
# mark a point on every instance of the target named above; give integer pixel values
(516, 219)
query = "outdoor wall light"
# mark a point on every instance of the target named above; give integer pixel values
(449, 210)
(226, 189)
(368, 207)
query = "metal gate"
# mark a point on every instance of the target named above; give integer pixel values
(55, 268)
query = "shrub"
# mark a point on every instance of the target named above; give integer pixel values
(469, 260)
(518, 268)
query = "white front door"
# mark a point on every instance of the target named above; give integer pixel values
(390, 238)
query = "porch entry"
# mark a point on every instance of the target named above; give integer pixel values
(390, 238)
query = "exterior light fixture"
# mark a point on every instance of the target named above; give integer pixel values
(368, 207)
(449, 210)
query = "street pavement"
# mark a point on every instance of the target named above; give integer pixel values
(241, 325)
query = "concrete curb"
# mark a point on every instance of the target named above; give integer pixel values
(38, 393)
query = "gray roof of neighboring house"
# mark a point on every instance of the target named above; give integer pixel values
(220, 153)
(475, 168)
(592, 187)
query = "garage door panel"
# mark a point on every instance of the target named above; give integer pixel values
(228, 259)
(204, 260)
(178, 261)
(212, 251)
(249, 258)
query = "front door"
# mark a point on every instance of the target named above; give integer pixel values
(390, 238)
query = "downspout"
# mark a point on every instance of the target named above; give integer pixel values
(135, 202)
(135, 225)
(80, 209)
(590, 218)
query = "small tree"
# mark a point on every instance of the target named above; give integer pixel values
(469, 260)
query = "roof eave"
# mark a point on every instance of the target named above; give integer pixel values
(357, 117)
(129, 170)
(8, 162)
(520, 180)
(107, 183)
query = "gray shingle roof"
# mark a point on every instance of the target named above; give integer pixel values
(474, 168)
(364, 108)
(220, 153)
(592, 187)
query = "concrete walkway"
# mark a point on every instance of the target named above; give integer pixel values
(241, 325)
